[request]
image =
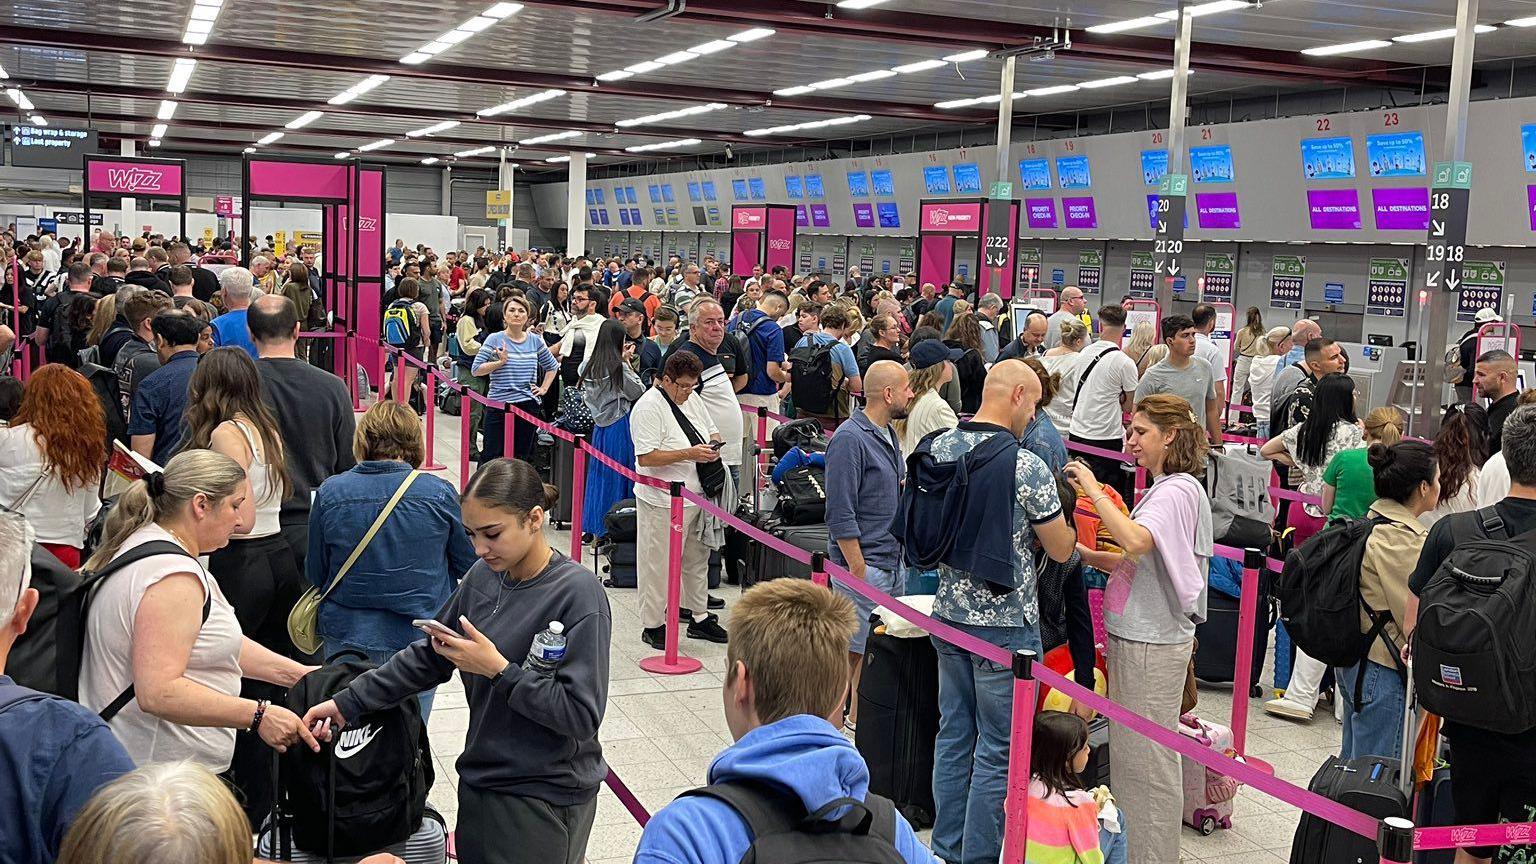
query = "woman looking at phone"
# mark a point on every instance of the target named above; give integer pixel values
(532, 764)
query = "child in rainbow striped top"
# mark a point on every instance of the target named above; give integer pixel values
(1067, 823)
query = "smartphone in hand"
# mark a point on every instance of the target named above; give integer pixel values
(433, 627)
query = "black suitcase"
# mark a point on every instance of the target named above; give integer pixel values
(625, 554)
(898, 722)
(562, 477)
(619, 521)
(1216, 657)
(1369, 785)
(764, 563)
(621, 576)
(1434, 808)
(1096, 772)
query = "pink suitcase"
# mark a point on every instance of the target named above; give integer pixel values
(1207, 794)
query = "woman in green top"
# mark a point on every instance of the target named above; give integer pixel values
(1349, 484)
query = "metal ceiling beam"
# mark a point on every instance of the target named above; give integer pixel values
(247, 55)
(818, 18)
(363, 109)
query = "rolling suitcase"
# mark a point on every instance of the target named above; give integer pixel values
(898, 722)
(764, 563)
(621, 565)
(1370, 785)
(1207, 794)
(619, 521)
(1435, 808)
(1216, 656)
(561, 477)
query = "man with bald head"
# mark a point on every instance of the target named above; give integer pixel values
(863, 482)
(1032, 338)
(987, 588)
(1495, 376)
(1072, 308)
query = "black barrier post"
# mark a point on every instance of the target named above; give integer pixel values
(819, 568)
(1395, 840)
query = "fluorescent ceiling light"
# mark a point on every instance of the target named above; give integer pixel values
(670, 115)
(249, 150)
(1522, 22)
(966, 56)
(343, 154)
(430, 160)
(712, 47)
(876, 75)
(214, 3)
(533, 99)
(956, 103)
(196, 26)
(436, 46)
(1130, 24)
(1447, 33)
(662, 145)
(433, 129)
(20, 99)
(644, 67)
(616, 75)
(4, 75)
(919, 66)
(158, 131)
(676, 57)
(38, 120)
(1346, 48)
(454, 37)
(567, 158)
(830, 83)
(502, 10)
(375, 145)
(858, 4)
(478, 151)
(194, 38)
(1156, 75)
(205, 13)
(793, 91)
(815, 124)
(415, 57)
(1205, 9)
(554, 136)
(269, 138)
(181, 75)
(154, 142)
(752, 35)
(476, 24)
(167, 110)
(304, 119)
(1108, 82)
(1051, 91)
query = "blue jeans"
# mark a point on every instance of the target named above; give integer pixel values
(1377, 728)
(970, 759)
(1112, 845)
(377, 657)
(862, 607)
(1262, 429)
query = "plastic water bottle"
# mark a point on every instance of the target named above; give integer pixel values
(547, 650)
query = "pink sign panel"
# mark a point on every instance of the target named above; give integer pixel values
(277, 179)
(744, 253)
(1401, 209)
(1001, 280)
(132, 177)
(779, 244)
(1041, 212)
(749, 218)
(802, 218)
(1080, 212)
(1530, 205)
(938, 259)
(370, 224)
(951, 218)
(1333, 209)
(819, 216)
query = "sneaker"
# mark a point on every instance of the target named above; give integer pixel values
(684, 614)
(656, 637)
(1286, 708)
(709, 630)
(716, 602)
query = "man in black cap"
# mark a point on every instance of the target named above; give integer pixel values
(647, 357)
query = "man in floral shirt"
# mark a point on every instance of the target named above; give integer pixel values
(976, 695)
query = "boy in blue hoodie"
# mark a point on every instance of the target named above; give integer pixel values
(787, 674)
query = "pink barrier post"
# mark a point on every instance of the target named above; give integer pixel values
(430, 463)
(1242, 671)
(670, 662)
(1016, 805)
(509, 433)
(578, 496)
(819, 569)
(466, 438)
(1395, 840)
(400, 366)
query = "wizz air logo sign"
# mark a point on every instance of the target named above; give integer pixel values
(779, 244)
(367, 223)
(135, 179)
(940, 217)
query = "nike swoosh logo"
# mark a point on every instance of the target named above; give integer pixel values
(344, 750)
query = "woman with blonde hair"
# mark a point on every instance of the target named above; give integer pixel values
(51, 458)
(965, 334)
(101, 319)
(1250, 343)
(929, 412)
(1065, 361)
(1349, 481)
(1143, 335)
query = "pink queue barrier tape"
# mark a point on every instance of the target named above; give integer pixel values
(1461, 836)
(1101, 452)
(627, 798)
(1243, 439)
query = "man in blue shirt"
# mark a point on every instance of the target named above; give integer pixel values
(763, 341)
(946, 305)
(863, 481)
(237, 286)
(845, 367)
(155, 418)
(54, 754)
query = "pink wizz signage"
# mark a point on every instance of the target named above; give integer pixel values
(763, 236)
(749, 218)
(277, 179)
(131, 177)
(957, 218)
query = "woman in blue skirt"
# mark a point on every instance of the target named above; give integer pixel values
(611, 387)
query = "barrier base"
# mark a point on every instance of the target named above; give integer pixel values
(433, 466)
(659, 665)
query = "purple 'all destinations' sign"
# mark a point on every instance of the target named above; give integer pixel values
(1401, 209)
(819, 216)
(1041, 212)
(864, 215)
(1333, 209)
(1530, 204)
(1080, 212)
(1217, 210)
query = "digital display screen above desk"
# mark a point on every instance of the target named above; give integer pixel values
(1400, 154)
(968, 179)
(1327, 158)
(885, 185)
(890, 217)
(1211, 164)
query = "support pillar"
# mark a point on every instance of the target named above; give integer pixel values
(127, 208)
(1005, 119)
(576, 207)
(1178, 113)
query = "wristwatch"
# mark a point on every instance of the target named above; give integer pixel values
(496, 679)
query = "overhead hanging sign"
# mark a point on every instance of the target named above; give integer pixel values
(50, 146)
(1169, 245)
(498, 204)
(1446, 249)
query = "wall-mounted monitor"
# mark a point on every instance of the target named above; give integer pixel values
(1072, 172)
(709, 190)
(623, 217)
(968, 179)
(890, 217)
(739, 190)
(759, 189)
(858, 184)
(793, 187)
(884, 183)
(1154, 166)
(695, 192)
(1034, 174)
(654, 191)
(1397, 154)
(600, 196)
(814, 189)
(1528, 146)
(864, 215)
(936, 179)
(1327, 158)
(1211, 164)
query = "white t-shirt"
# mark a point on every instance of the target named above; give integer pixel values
(652, 427)
(106, 668)
(1069, 366)
(1465, 499)
(57, 514)
(1208, 351)
(1098, 415)
(1493, 481)
(1261, 379)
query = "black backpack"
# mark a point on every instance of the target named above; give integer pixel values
(108, 390)
(743, 332)
(1474, 650)
(1293, 408)
(783, 832)
(69, 327)
(1320, 599)
(34, 660)
(806, 433)
(365, 790)
(811, 378)
(803, 496)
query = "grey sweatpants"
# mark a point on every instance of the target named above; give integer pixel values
(653, 535)
(1149, 680)
(496, 828)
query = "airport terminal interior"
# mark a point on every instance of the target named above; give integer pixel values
(1370, 166)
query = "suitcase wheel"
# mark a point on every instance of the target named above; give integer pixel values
(1256, 691)
(1208, 825)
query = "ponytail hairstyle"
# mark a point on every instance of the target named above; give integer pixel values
(165, 493)
(1058, 738)
(1400, 468)
(514, 486)
(1186, 453)
(1050, 382)
(1384, 425)
(1073, 333)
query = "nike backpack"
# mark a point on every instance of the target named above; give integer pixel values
(783, 831)
(367, 788)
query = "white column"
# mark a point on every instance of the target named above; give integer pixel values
(576, 207)
(506, 177)
(127, 206)
(447, 191)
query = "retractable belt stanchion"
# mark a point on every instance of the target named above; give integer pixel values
(578, 493)
(430, 463)
(349, 364)
(509, 433)
(466, 437)
(1395, 840)
(400, 395)
(1016, 804)
(670, 662)
(819, 569)
(1242, 671)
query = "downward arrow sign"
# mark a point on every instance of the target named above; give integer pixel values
(1162, 227)
(1157, 267)
(1452, 281)
(1173, 268)
(1437, 228)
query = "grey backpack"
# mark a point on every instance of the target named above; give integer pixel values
(1241, 510)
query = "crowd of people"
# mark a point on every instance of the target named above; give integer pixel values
(255, 483)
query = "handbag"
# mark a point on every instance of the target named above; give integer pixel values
(711, 474)
(304, 619)
(575, 415)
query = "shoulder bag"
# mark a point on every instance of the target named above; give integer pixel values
(304, 619)
(711, 474)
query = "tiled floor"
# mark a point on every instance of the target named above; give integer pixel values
(660, 733)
